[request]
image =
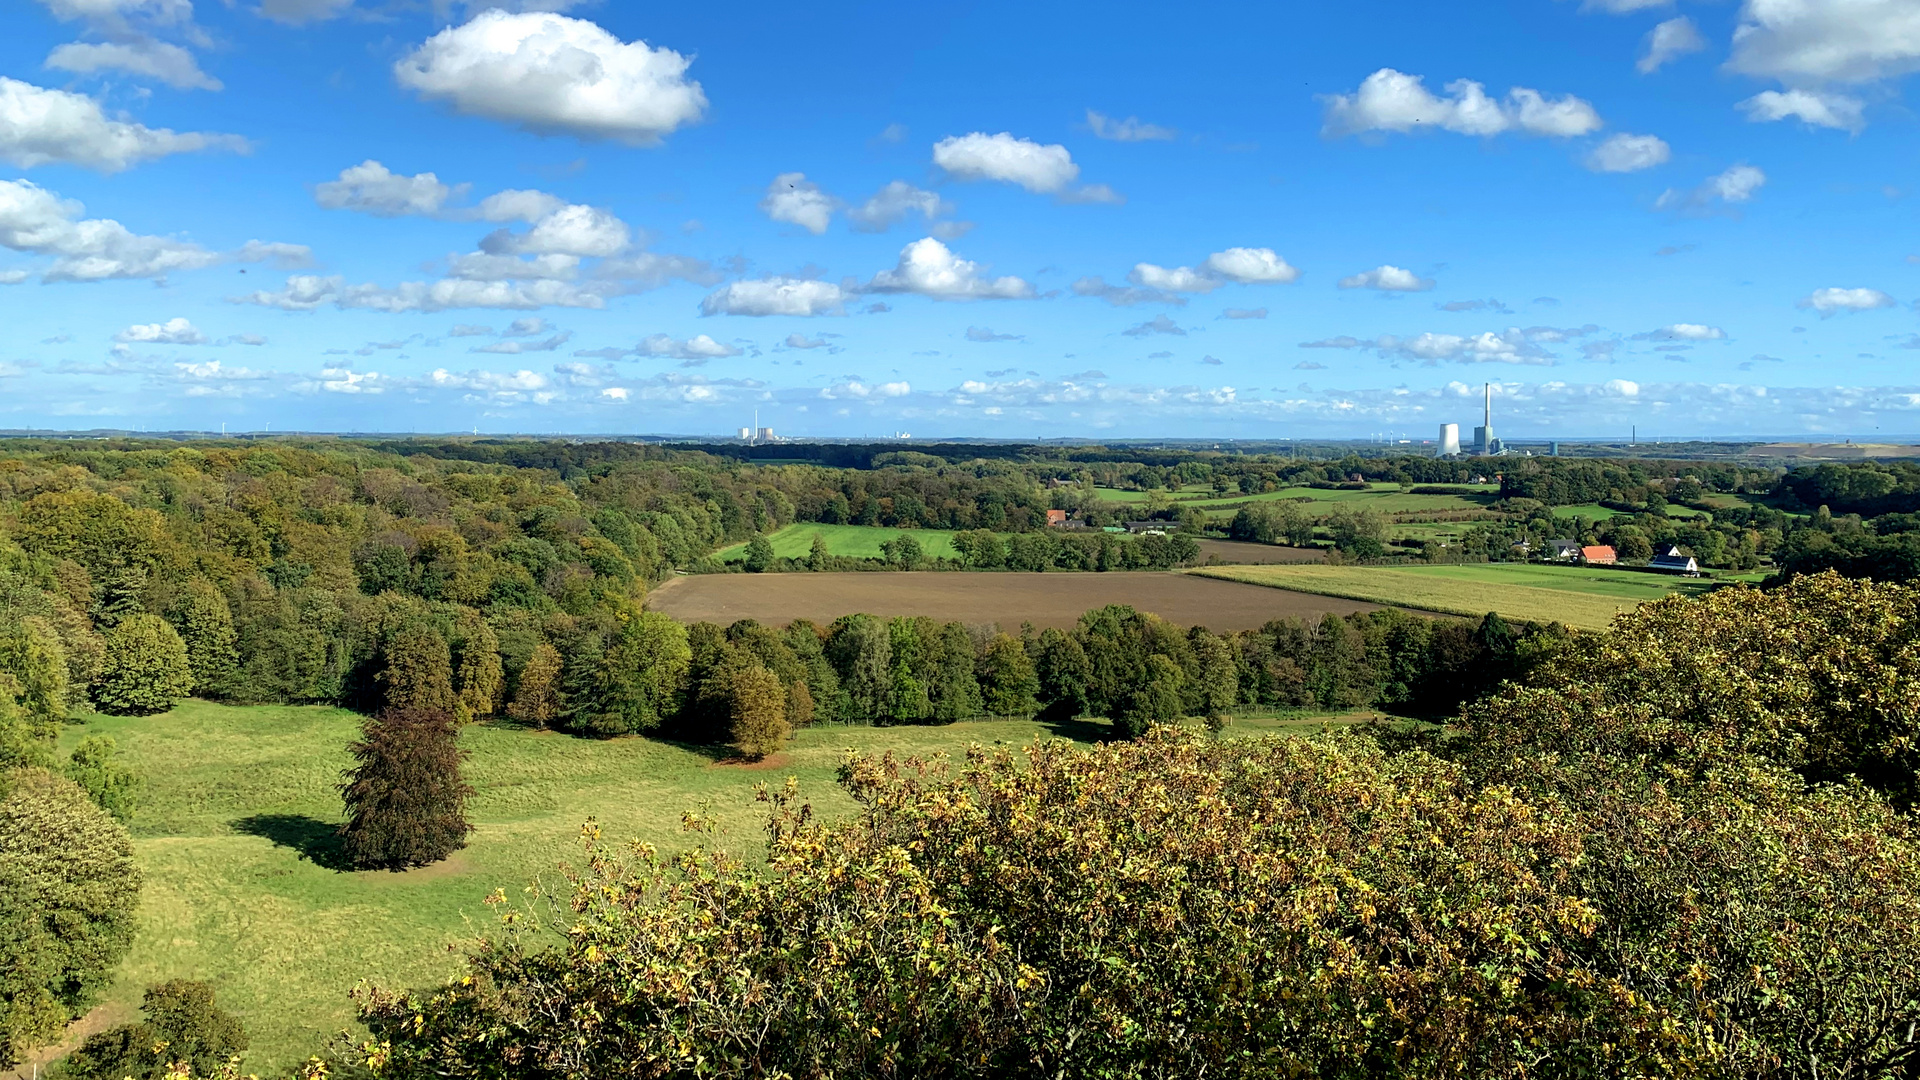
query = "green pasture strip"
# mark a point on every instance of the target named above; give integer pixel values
(851, 541)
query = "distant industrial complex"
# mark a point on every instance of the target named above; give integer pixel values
(1484, 442)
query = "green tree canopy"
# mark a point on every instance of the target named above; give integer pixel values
(68, 893)
(183, 1026)
(146, 669)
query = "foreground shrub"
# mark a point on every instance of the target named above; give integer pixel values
(68, 889)
(406, 801)
(1821, 676)
(183, 1027)
(1171, 907)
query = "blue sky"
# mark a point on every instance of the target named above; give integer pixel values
(1011, 220)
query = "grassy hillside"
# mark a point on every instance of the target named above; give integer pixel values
(239, 804)
(1577, 596)
(851, 541)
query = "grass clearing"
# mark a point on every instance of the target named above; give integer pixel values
(1595, 512)
(1578, 596)
(235, 799)
(849, 541)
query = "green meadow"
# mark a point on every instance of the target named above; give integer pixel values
(234, 836)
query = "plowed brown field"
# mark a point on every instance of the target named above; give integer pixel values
(1005, 598)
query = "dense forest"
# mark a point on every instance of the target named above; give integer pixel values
(1537, 887)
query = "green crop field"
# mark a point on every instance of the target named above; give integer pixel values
(1578, 596)
(238, 801)
(1385, 498)
(851, 541)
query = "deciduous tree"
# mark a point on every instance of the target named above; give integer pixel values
(759, 712)
(146, 669)
(406, 801)
(480, 675)
(68, 893)
(418, 676)
(536, 700)
(1007, 676)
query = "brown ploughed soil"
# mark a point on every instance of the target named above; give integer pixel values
(1056, 599)
(1214, 552)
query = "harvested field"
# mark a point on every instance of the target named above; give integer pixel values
(1238, 552)
(1005, 598)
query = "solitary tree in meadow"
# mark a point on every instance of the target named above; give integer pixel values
(406, 801)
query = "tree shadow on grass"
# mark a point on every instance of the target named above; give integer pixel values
(1077, 728)
(317, 841)
(713, 752)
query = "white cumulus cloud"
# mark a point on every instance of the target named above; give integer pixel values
(929, 268)
(697, 347)
(372, 188)
(41, 127)
(1387, 279)
(894, 202)
(801, 297)
(1251, 266)
(1668, 41)
(1390, 100)
(854, 389)
(307, 292)
(1811, 41)
(1512, 346)
(1831, 301)
(577, 230)
(979, 156)
(1821, 108)
(1132, 129)
(1176, 279)
(550, 73)
(175, 331)
(794, 199)
(1629, 153)
(160, 60)
(1684, 332)
(36, 221)
(1736, 185)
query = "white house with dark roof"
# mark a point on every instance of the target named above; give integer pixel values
(1669, 558)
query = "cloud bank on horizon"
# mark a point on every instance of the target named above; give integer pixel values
(1692, 218)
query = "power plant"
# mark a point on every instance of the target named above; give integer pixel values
(1484, 442)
